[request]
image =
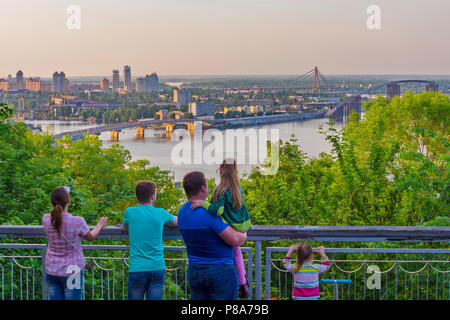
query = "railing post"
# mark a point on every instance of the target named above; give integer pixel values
(250, 274)
(335, 290)
(44, 280)
(268, 274)
(258, 272)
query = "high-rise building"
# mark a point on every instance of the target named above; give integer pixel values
(115, 80)
(202, 108)
(34, 84)
(65, 83)
(140, 85)
(104, 84)
(55, 82)
(19, 80)
(4, 84)
(60, 83)
(152, 82)
(182, 96)
(127, 78)
(148, 83)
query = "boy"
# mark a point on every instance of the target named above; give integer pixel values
(145, 225)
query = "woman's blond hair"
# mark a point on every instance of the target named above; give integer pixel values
(229, 180)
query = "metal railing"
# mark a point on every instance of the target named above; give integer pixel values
(106, 276)
(106, 272)
(402, 274)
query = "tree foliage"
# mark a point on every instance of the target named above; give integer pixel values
(102, 180)
(388, 168)
(6, 111)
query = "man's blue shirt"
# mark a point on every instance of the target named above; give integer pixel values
(200, 231)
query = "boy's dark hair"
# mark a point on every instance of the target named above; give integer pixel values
(145, 191)
(193, 182)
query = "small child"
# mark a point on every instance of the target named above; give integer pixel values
(228, 203)
(306, 273)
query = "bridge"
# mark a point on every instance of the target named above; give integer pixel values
(141, 125)
(342, 110)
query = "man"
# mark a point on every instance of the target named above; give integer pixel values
(145, 224)
(209, 241)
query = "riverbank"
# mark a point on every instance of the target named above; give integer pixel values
(272, 119)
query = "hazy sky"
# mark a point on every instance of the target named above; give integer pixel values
(225, 37)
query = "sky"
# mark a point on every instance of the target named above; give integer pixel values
(224, 37)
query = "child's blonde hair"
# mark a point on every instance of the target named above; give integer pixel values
(229, 180)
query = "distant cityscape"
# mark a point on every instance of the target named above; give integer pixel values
(60, 83)
(112, 100)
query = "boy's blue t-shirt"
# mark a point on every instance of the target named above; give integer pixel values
(200, 231)
(145, 231)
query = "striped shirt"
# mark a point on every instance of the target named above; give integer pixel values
(64, 251)
(306, 280)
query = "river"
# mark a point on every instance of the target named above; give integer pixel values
(158, 150)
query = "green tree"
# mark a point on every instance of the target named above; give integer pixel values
(6, 111)
(388, 168)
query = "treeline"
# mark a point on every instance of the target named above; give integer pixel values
(123, 114)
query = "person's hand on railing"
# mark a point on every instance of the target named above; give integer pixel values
(321, 250)
(92, 234)
(293, 248)
(102, 222)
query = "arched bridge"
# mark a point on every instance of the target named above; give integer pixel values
(169, 124)
(140, 125)
(342, 110)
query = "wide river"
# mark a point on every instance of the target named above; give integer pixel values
(160, 150)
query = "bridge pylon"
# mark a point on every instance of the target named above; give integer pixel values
(139, 132)
(317, 77)
(169, 129)
(191, 127)
(115, 135)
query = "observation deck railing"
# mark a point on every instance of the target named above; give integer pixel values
(409, 262)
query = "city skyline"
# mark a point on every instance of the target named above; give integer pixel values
(117, 78)
(198, 37)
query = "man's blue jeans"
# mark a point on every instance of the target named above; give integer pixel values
(213, 282)
(150, 282)
(58, 288)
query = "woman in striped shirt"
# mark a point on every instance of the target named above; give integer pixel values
(64, 260)
(306, 273)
